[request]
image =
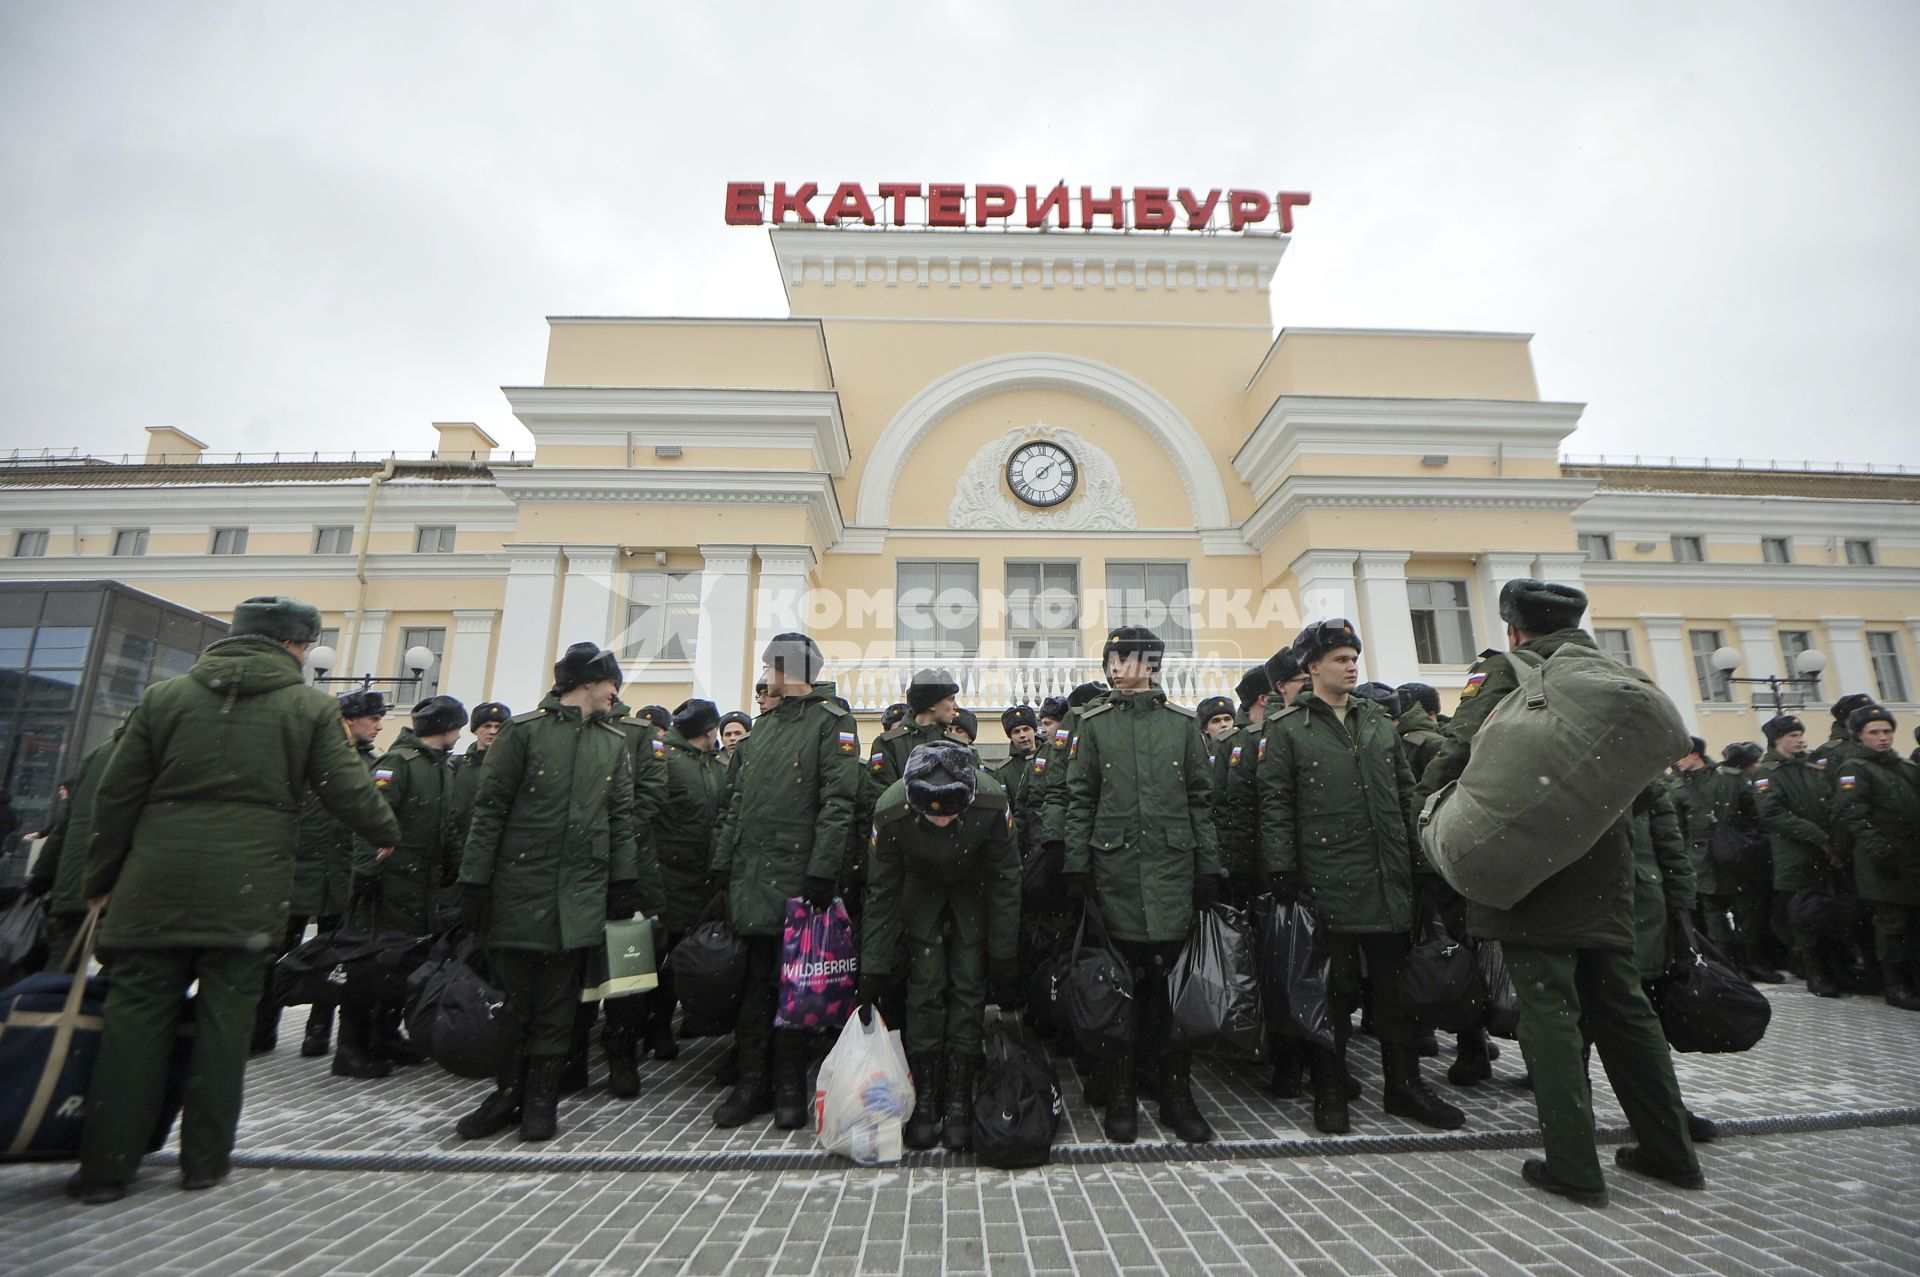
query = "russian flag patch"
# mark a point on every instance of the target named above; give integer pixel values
(849, 743)
(1848, 782)
(1762, 784)
(659, 748)
(1039, 764)
(1233, 757)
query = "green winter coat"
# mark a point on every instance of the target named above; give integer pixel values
(648, 752)
(553, 828)
(1420, 737)
(1336, 806)
(1022, 777)
(919, 876)
(1877, 798)
(1795, 799)
(1139, 813)
(1662, 874)
(1587, 905)
(696, 788)
(62, 863)
(1236, 805)
(415, 781)
(197, 812)
(463, 788)
(1716, 796)
(1054, 821)
(795, 781)
(323, 856)
(887, 761)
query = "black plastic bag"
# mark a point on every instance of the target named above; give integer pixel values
(1704, 1005)
(459, 1019)
(23, 950)
(710, 968)
(1214, 987)
(1098, 988)
(1294, 962)
(1441, 983)
(1503, 1004)
(1017, 1105)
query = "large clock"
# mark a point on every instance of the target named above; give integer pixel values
(1042, 474)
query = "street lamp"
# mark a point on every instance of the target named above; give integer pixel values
(1807, 665)
(419, 659)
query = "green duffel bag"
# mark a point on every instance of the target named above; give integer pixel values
(1555, 764)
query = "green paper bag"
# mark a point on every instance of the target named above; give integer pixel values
(624, 964)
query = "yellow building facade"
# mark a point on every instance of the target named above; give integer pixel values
(982, 449)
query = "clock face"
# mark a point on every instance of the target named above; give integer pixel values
(1042, 474)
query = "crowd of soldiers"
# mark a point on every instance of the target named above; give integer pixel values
(238, 807)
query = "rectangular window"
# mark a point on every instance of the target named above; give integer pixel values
(1792, 644)
(1616, 643)
(435, 641)
(1442, 622)
(333, 540)
(1043, 609)
(1861, 552)
(1598, 545)
(937, 609)
(29, 545)
(229, 541)
(1154, 595)
(129, 543)
(433, 540)
(1689, 550)
(1883, 649)
(1713, 683)
(1776, 549)
(663, 616)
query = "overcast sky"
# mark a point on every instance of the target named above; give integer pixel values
(283, 226)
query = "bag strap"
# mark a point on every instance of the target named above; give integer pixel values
(81, 946)
(68, 1023)
(716, 907)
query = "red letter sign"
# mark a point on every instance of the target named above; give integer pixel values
(1151, 209)
(944, 204)
(1114, 207)
(1198, 215)
(1286, 202)
(743, 203)
(898, 192)
(849, 201)
(1056, 200)
(784, 203)
(1248, 206)
(992, 201)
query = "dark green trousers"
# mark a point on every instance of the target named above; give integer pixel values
(144, 1001)
(545, 989)
(1568, 998)
(1896, 938)
(946, 994)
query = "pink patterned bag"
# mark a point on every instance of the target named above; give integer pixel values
(819, 966)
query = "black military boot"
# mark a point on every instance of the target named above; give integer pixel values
(752, 1092)
(1122, 1125)
(388, 1042)
(1754, 965)
(1900, 993)
(266, 1028)
(354, 1057)
(499, 1110)
(319, 1036)
(1427, 1045)
(790, 1098)
(727, 1072)
(929, 1079)
(1178, 1111)
(660, 1039)
(622, 1041)
(1289, 1063)
(1407, 1094)
(1471, 1063)
(540, 1104)
(957, 1123)
(1093, 1077)
(1823, 980)
(1329, 1091)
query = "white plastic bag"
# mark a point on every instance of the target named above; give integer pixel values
(864, 1093)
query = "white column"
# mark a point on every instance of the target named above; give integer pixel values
(1848, 669)
(1566, 569)
(587, 596)
(463, 669)
(720, 672)
(523, 670)
(1913, 670)
(1497, 567)
(1386, 617)
(1323, 581)
(366, 648)
(780, 597)
(1759, 657)
(1671, 666)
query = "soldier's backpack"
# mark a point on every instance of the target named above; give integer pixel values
(1555, 764)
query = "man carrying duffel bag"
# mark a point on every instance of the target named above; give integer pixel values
(193, 833)
(1569, 943)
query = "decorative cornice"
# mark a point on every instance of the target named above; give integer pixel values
(793, 560)
(263, 507)
(1658, 515)
(785, 420)
(491, 566)
(1303, 492)
(810, 490)
(727, 560)
(1711, 575)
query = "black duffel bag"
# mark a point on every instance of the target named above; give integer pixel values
(1441, 983)
(1704, 1005)
(453, 1014)
(357, 965)
(710, 967)
(1503, 1004)
(1017, 1105)
(1098, 988)
(1745, 854)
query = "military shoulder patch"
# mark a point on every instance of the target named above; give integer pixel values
(1039, 764)
(383, 776)
(1762, 784)
(1260, 749)
(1820, 763)
(1849, 782)
(1233, 757)
(849, 743)
(1060, 736)
(877, 763)
(659, 747)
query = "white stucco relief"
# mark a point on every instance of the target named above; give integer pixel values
(981, 499)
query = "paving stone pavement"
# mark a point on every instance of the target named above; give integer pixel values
(1823, 1201)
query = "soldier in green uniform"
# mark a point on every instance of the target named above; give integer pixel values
(485, 723)
(550, 858)
(1419, 732)
(931, 700)
(1140, 843)
(734, 728)
(1877, 798)
(966, 727)
(59, 872)
(1018, 777)
(1337, 816)
(1794, 800)
(1840, 741)
(794, 785)
(1721, 814)
(893, 715)
(1569, 944)
(398, 885)
(192, 856)
(945, 878)
(696, 786)
(1234, 821)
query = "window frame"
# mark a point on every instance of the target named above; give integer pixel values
(443, 536)
(20, 542)
(662, 589)
(1177, 632)
(1604, 540)
(1713, 686)
(435, 641)
(1789, 661)
(140, 543)
(1783, 544)
(1894, 690)
(1015, 636)
(937, 646)
(1868, 554)
(1463, 610)
(1695, 544)
(1625, 655)
(237, 544)
(340, 532)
